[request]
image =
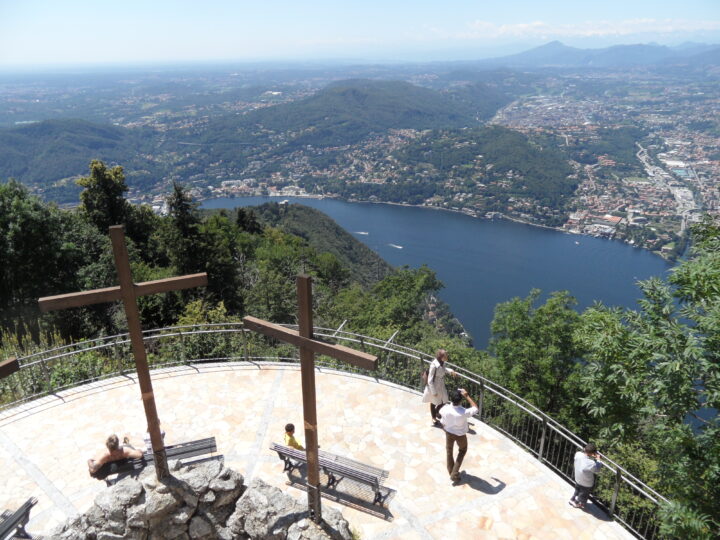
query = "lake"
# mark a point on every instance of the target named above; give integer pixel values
(484, 262)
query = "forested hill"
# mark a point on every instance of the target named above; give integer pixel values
(326, 236)
(348, 111)
(46, 153)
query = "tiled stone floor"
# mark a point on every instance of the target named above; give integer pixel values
(506, 494)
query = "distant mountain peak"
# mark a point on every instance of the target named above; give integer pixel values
(552, 44)
(557, 54)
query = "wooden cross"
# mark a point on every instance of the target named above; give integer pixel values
(308, 345)
(128, 292)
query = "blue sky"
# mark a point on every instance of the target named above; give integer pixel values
(69, 32)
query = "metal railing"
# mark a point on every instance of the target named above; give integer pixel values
(623, 496)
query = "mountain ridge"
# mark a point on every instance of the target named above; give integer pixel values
(557, 54)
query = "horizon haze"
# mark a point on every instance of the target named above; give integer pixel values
(39, 34)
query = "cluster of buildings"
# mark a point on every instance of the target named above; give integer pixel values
(676, 173)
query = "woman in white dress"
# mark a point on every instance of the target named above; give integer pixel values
(435, 392)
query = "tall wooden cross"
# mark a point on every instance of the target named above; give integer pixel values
(308, 345)
(128, 292)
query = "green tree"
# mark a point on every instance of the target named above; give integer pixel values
(181, 235)
(662, 364)
(141, 226)
(102, 198)
(46, 251)
(332, 272)
(247, 221)
(535, 352)
(31, 248)
(227, 251)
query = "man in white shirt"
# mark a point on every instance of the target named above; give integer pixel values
(454, 419)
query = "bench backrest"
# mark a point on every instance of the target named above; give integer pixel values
(175, 451)
(188, 449)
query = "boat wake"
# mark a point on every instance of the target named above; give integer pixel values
(362, 232)
(395, 246)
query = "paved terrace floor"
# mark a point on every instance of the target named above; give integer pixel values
(506, 493)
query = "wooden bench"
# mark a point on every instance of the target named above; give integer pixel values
(175, 451)
(12, 524)
(336, 468)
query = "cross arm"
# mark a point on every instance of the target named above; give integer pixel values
(8, 367)
(83, 298)
(339, 352)
(111, 294)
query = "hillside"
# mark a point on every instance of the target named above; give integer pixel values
(346, 112)
(45, 152)
(48, 155)
(481, 170)
(326, 236)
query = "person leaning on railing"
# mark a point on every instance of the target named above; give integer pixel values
(587, 465)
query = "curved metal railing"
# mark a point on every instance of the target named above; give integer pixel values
(621, 494)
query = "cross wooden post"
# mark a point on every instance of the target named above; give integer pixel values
(308, 345)
(128, 293)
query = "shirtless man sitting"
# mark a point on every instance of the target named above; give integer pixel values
(101, 466)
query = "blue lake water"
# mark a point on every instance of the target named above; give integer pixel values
(482, 262)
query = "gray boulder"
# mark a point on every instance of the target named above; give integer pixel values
(198, 502)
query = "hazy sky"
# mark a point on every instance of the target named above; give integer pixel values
(67, 32)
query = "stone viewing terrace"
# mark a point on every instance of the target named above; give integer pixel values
(506, 491)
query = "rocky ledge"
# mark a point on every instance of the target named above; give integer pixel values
(203, 501)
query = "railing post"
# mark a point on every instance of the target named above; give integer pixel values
(245, 344)
(46, 374)
(618, 478)
(481, 400)
(541, 452)
(118, 358)
(182, 347)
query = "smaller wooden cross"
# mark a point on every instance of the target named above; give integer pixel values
(308, 345)
(128, 293)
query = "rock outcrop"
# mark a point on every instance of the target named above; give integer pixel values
(199, 502)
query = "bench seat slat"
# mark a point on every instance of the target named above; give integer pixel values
(347, 462)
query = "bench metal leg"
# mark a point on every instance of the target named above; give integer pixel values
(332, 479)
(289, 466)
(20, 531)
(379, 497)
